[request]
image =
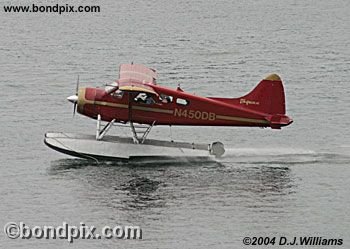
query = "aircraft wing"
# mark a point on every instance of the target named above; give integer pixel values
(138, 73)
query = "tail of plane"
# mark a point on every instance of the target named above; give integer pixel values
(267, 97)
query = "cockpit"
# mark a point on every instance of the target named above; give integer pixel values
(144, 98)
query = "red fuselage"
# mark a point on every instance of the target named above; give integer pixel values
(176, 107)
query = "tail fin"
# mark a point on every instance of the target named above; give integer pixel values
(267, 96)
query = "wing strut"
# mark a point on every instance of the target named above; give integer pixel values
(143, 130)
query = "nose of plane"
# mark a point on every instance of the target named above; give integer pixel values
(73, 99)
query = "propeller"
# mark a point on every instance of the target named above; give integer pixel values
(74, 98)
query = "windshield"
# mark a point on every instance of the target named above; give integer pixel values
(109, 88)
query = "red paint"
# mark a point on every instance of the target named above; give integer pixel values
(262, 107)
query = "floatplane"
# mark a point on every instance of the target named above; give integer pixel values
(137, 101)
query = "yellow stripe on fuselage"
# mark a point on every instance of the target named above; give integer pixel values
(140, 108)
(150, 109)
(247, 120)
(109, 104)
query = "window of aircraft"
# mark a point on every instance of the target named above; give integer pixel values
(110, 87)
(180, 101)
(144, 98)
(166, 98)
(117, 94)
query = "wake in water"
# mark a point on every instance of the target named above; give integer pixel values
(266, 152)
(282, 156)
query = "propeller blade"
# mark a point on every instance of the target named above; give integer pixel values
(77, 86)
(74, 108)
(74, 98)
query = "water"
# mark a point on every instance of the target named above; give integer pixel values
(293, 182)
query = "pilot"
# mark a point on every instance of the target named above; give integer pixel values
(149, 100)
(166, 100)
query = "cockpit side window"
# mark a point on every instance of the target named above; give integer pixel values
(166, 98)
(180, 101)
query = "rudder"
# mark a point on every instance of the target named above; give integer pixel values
(267, 96)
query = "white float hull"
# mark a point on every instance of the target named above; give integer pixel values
(114, 147)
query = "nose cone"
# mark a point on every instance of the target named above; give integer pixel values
(73, 99)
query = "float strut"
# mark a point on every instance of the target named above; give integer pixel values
(101, 133)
